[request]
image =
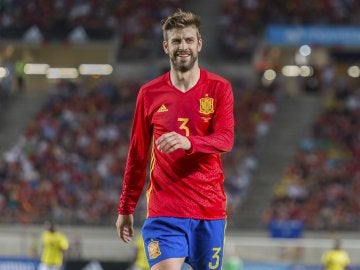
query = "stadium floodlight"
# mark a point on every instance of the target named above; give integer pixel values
(306, 71)
(354, 71)
(62, 73)
(290, 71)
(36, 69)
(95, 69)
(305, 50)
(3, 72)
(269, 74)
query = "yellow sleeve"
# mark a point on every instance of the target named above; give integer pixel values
(346, 258)
(64, 243)
(325, 258)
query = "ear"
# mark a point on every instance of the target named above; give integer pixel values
(200, 44)
(165, 46)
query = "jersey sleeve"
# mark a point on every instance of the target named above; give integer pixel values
(64, 243)
(222, 138)
(138, 155)
(324, 258)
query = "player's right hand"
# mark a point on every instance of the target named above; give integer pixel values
(125, 227)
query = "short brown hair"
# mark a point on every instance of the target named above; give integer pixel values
(180, 19)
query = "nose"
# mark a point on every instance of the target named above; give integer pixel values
(182, 44)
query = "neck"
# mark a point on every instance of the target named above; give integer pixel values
(185, 80)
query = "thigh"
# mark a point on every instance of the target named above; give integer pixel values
(206, 244)
(165, 238)
(169, 264)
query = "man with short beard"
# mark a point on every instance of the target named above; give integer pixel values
(186, 116)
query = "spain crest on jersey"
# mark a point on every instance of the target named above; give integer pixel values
(206, 105)
(153, 249)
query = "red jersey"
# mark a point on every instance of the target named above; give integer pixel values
(184, 184)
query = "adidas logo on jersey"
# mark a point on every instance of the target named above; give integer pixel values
(162, 108)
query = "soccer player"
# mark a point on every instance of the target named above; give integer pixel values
(186, 116)
(54, 244)
(336, 258)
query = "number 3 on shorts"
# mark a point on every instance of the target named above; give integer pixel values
(215, 264)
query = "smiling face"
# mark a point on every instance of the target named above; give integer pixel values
(183, 46)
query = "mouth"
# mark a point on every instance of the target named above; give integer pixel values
(183, 55)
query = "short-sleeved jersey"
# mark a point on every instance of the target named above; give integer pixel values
(186, 184)
(53, 245)
(335, 260)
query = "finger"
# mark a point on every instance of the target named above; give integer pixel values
(122, 232)
(166, 145)
(131, 232)
(164, 137)
(161, 139)
(171, 148)
(125, 236)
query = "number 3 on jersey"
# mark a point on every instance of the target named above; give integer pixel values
(183, 125)
(216, 263)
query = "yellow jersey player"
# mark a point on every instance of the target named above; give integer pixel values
(140, 259)
(336, 258)
(54, 244)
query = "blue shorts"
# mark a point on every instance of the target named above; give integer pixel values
(201, 242)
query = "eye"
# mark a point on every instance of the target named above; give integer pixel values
(175, 41)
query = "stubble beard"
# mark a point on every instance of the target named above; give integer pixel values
(181, 66)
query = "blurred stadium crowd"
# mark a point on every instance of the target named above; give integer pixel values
(322, 182)
(243, 22)
(135, 22)
(68, 163)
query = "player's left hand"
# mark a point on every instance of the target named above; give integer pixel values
(171, 141)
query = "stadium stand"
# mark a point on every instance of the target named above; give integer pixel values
(320, 184)
(243, 23)
(254, 111)
(69, 157)
(133, 23)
